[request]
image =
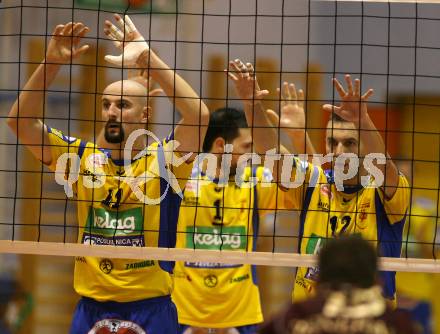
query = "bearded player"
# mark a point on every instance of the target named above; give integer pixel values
(118, 202)
(372, 202)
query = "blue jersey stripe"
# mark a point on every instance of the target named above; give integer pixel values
(389, 244)
(169, 212)
(255, 227)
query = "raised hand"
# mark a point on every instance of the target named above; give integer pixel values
(353, 107)
(129, 41)
(292, 107)
(64, 46)
(245, 81)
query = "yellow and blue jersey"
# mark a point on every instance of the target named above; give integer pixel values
(110, 213)
(217, 216)
(328, 213)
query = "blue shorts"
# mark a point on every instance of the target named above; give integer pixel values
(148, 316)
(249, 329)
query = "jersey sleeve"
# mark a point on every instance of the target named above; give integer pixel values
(174, 162)
(61, 144)
(288, 193)
(397, 206)
(302, 176)
(269, 196)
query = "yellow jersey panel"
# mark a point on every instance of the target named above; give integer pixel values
(110, 212)
(221, 217)
(328, 213)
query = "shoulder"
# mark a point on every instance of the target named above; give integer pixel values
(60, 138)
(263, 174)
(57, 134)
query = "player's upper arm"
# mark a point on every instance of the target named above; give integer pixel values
(269, 196)
(303, 175)
(397, 206)
(289, 193)
(176, 161)
(33, 134)
(60, 144)
(190, 132)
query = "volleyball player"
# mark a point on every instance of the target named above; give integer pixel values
(217, 213)
(377, 212)
(118, 295)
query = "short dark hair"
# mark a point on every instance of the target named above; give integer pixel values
(348, 260)
(224, 123)
(335, 118)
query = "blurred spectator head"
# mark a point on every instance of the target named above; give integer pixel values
(348, 260)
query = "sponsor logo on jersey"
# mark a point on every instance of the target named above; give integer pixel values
(115, 223)
(193, 186)
(182, 274)
(211, 265)
(210, 281)
(97, 160)
(138, 265)
(225, 238)
(132, 241)
(191, 200)
(312, 273)
(106, 266)
(91, 178)
(301, 282)
(239, 278)
(314, 245)
(120, 228)
(80, 259)
(364, 205)
(324, 206)
(114, 326)
(362, 215)
(326, 191)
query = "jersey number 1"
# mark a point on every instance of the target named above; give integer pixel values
(218, 215)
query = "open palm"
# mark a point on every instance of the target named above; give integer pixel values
(127, 39)
(245, 81)
(353, 105)
(64, 45)
(292, 107)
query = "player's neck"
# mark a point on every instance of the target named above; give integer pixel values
(356, 180)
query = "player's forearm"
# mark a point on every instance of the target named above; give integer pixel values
(301, 141)
(29, 105)
(310, 149)
(192, 109)
(372, 142)
(264, 134)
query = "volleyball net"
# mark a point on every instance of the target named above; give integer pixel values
(391, 46)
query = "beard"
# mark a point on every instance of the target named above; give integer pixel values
(114, 132)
